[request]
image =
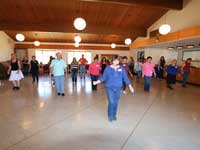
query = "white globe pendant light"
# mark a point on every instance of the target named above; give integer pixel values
(128, 41)
(37, 43)
(164, 29)
(77, 39)
(79, 23)
(76, 44)
(20, 37)
(113, 45)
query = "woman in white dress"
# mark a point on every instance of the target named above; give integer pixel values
(15, 72)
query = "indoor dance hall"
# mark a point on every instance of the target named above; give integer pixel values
(99, 75)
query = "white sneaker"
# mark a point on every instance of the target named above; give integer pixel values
(124, 92)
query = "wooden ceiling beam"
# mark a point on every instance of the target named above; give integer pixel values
(71, 47)
(165, 4)
(49, 27)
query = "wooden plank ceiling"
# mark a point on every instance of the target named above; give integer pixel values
(107, 20)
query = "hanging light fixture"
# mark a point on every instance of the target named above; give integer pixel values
(76, 44)
(77, 39)
(37, 43)
(164, 29)
(20, 37)
(79, 23)
(113, 45)
(128, 41)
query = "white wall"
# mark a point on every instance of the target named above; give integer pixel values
(156, 53)
(94, 52)
(169, 55)
(6, 46)
(178, 20)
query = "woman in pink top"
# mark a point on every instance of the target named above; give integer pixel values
(94, 71)
(147, 72)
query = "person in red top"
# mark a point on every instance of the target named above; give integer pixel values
(94, 71)
(82, 62)
(185, 71)
(125, 65)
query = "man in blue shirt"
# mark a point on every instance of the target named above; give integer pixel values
(58, 67)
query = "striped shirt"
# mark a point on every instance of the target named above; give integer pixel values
(74, 65)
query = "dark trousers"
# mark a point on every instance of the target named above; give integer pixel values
(161, 73)
(74, 74)
(139, 74)
(131, 69)
(94, 78)
(147, 82)
(35, 76)
(113, 95)
(171, 79)
(124, 86)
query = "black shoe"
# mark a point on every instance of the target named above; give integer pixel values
(58, 94)
(17, 88)
(63, 94)
(184, 86)
(171, 88)
(14, 88)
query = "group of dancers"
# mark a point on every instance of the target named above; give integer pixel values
(115, 75)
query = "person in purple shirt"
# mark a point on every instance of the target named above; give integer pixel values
(113, 76)
(125, 65)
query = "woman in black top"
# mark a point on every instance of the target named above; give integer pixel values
(104, 64)
(161, 66)
(34, 69)
(25, 66)
(74, 70)
(15, 72)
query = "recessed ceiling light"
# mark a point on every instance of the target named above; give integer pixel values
(190, 46)
(20, 37)
(170, 48)
(37, 43)
(179, 47)
(79, 23)
(164, 29)
(128, 41)
(77, 39)
(113, 45)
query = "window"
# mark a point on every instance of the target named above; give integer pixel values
(43, 56)
(78, 55)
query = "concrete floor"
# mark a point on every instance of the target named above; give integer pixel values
(35, 118)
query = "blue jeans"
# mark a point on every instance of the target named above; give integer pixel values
(59, 83)
(185, 78)
(113, 95)
(147, 82)
(74, 73)
(82, 71)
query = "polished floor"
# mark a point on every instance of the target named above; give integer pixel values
(35, 118)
